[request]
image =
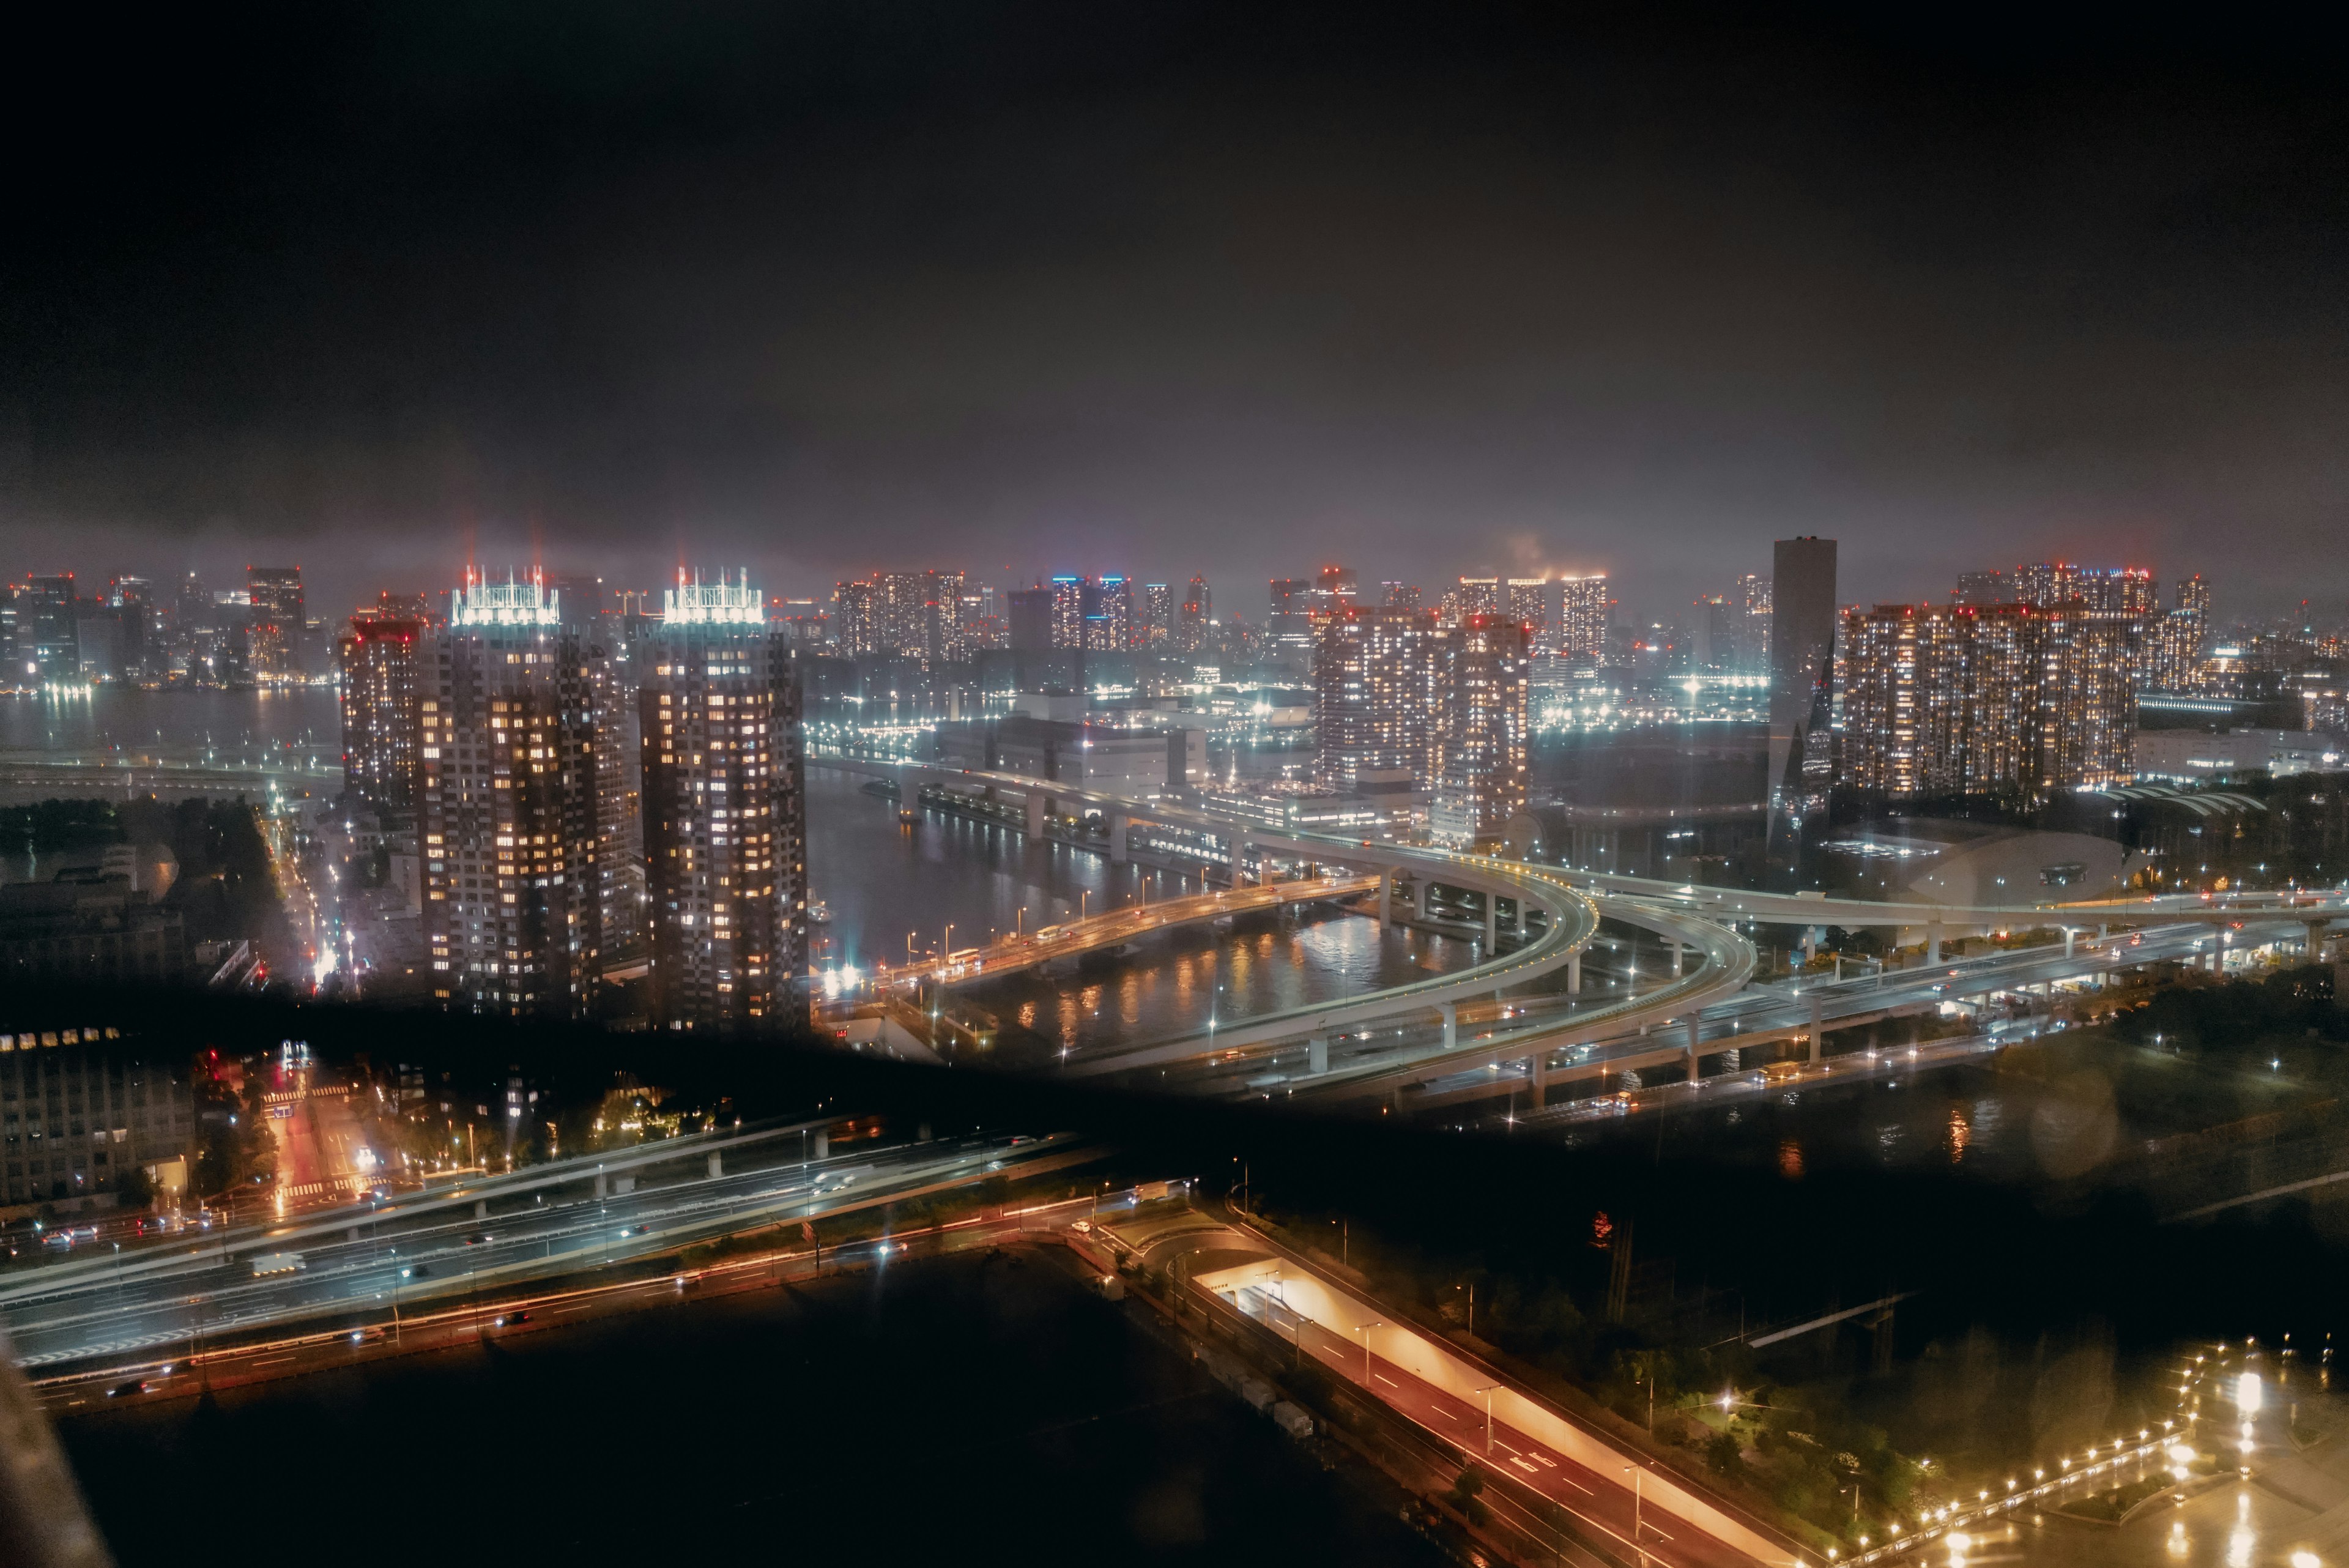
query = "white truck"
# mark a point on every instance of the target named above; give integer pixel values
(267, 1263)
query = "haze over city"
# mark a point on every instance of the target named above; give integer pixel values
(1433, 786)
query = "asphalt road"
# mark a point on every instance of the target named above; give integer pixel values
(411, 1257)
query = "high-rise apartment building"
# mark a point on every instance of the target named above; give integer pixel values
(1526, 600)
(382, 660)
(1193, 620)
(855, 619)
(506, 822)
(1108, 616)
(1481, 667)
(1072, 599)
(1371, 675)
(1986, 699)
(1154, 617)
(725, 840)
(1582, 620)
(274, 637)
(1476, 597)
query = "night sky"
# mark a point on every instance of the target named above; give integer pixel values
(1171, 288)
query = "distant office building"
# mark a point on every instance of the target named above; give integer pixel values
(274, 635)
(1751, 598)
(1030, 619)
(140, 627)
(1582, 620)
(48, 636)
(1802, 686)
(1990, 587)
(1155, 621)
(724, 820)
(1196, 615)
(87, 1108)
(1711, 642)
(1398, 595)
(1480, 687)
(1289, 619)
(1335, 587)
(506, 821)
(585, 599)
(382, 660)
(1371, 675)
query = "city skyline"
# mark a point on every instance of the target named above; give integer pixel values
(1604, 299)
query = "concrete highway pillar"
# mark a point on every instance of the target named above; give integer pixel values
(1386, 897)
(1676, 957)
(1492, 921)
(481, 1209)
(1117, 826)
(717, 1164)
(2103, 931)
(1933, 943)
(354, 1232)
(1451, 1011)
(824, 1144)
(1818, 1027)
(2218, 949)
(601, 1187)
(1540, 1061)
(1239, 853)
(2068, 934)
(1419, 896)
(2316, 937)
(1695, 1026)
(1035, 807)
(1574, 974)
(1317, 1055)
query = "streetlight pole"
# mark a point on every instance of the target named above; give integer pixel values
(1487, 1392)
(1635, 1514)
(1364, 1330)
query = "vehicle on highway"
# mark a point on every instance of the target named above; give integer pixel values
(479, 1239)
(505, 1320)
(136, 1386)
(267, 1263)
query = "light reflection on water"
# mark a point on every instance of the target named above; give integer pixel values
(882, 882)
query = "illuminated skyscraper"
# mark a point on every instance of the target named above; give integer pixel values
(1398, 595)
(1582, 620)
(1069, 604)
(1480, 686)
(1192, 621)
(1108, 616)
(1476, 597)
(724, 820)
(382, 660)
(1371, 684)
(855, 619)
(1526, 600)
(1987, 700)
(1289, 619)
(506, 821)
(273, 647)
(1155, 621)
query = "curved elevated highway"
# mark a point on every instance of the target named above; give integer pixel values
(1384, 1044)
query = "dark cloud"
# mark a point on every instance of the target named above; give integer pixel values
(1173, 289)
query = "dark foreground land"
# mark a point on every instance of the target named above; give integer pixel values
(965, 1408)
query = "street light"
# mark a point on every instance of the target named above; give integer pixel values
(1487, 1392)
(1364, 1330)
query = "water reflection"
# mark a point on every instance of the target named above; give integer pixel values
(884, 885)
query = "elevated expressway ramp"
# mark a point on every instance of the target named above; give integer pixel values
(1383, 1044)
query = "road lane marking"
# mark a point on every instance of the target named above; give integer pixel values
(1525, 1466)
(276, 1361)
(1387, 1380)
